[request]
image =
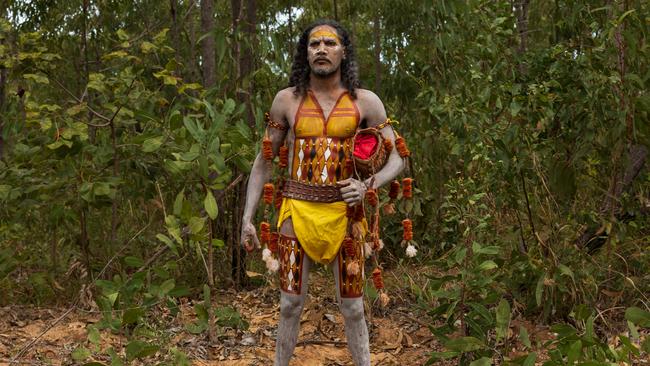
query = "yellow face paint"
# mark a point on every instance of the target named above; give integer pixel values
(322, 33)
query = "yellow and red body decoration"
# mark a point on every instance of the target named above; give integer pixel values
(320, 34)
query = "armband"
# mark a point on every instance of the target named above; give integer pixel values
(271, 123)
(387, 122)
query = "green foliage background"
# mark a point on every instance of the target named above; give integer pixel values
(117, 160)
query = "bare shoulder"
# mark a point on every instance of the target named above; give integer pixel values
(285, 96)
(367, 96)
(283, 103)
(371, 107)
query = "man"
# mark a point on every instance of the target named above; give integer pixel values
(317, 117)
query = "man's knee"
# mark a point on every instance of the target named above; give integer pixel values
(352, 310)
(291, 306)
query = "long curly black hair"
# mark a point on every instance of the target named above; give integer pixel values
(300, 69)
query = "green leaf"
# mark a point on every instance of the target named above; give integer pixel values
(116, 360)
(435, 356)
(487, 265)
(638, 316)
(523, 336)
(178, 202)
(81, 353)
(483, 361)
(179, 291)
(629, 346)
(134, 262)
(229, 317)
(566, 271)
(139, 349)
(5, 189)
(210, 205)
(634, 331)
(96, 82)
(201, 312)
(589, 329)
(530, 359)
(161, 36)
(148, 47)
(514, 108)
(539, 289)
(152, 144)
(167, 286)
(207, 298)
(646, 345)
(122, 35)
(575, 350)
(165, 239)
(503, 318)
(103, 189)
(489, 250)
(464, 344)
(93, 335)
(112, 297)
(196, 328)
(132, 316)
(196, 224)
(460, 255)
(228, 106)
(38, 78)
(193, 129)
(195, 152)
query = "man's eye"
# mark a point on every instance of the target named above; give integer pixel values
(330, 43)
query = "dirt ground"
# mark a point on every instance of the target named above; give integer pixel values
(397, 336)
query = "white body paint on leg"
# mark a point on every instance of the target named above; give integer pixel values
(356, 330)
(290, 310)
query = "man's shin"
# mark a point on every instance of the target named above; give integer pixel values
(288, 327)
(356, 331)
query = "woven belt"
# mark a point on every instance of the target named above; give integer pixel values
(307, 192)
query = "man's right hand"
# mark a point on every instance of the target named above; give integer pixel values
(249, 238)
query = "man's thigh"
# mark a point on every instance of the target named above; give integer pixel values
(349, 285)
(294, 263)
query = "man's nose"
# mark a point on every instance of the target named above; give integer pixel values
(321, 48)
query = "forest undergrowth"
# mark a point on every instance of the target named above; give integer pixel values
(127, 132)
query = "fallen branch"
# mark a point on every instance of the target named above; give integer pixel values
(47, 329)
(318, 341)
(76, 301)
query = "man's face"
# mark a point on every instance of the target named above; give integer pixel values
(324, 50)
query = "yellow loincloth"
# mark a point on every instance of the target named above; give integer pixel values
(320, 227)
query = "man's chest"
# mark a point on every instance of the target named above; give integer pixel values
(324, 117)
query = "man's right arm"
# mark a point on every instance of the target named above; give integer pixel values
(261, 171)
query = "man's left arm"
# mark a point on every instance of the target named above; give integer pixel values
(375, 115)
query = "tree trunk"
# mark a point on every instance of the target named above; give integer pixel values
(236, 6)
(521, 9)
(626, 169)
(246, 62)
(290, 25)
(92, 130)
(175, 31)
(208, 46)
(594, 238)
(3, 83)
(193, 73)
(236, 199)
(376, 29)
